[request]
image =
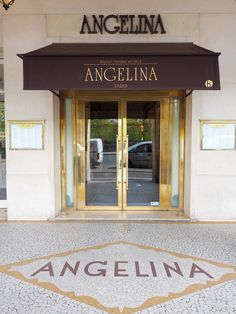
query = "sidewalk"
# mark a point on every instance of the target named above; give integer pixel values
(111, 267)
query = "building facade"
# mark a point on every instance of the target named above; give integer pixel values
(185, 139)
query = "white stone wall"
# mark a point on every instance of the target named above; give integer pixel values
(213, 176)
(32, 177)
(30, 174)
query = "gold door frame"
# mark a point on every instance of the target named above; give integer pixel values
(166, 99)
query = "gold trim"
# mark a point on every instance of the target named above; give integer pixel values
(170, 149)
(74, 143)
(119, 154)
(181, 152)
(93, 302)
(165, 165)
(128, 208)
(63, 157)
(125, 168)
(164, 136)
(81, 154)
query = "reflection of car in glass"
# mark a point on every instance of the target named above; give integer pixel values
(140, 155)
(96, 152)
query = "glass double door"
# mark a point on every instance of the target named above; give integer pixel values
(122, 153)
(122, 142)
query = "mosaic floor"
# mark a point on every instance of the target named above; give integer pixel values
(88, 267)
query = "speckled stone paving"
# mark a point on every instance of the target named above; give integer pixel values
(121, 268)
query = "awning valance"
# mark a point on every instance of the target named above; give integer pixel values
(129, 66)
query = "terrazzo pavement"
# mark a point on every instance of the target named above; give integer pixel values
(21, 241)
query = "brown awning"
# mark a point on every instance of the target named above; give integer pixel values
(130, 66)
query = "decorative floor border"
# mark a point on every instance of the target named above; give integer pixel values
(6, 269)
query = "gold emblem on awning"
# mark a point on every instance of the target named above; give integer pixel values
(209, 83)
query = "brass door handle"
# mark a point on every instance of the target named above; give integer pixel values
(118, 162)
(126, 162)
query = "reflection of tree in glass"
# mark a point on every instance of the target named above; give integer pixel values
(2, 112)
(106, 129)
(2, 120)
(136, 132)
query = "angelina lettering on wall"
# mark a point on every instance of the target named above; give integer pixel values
(122, 24)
